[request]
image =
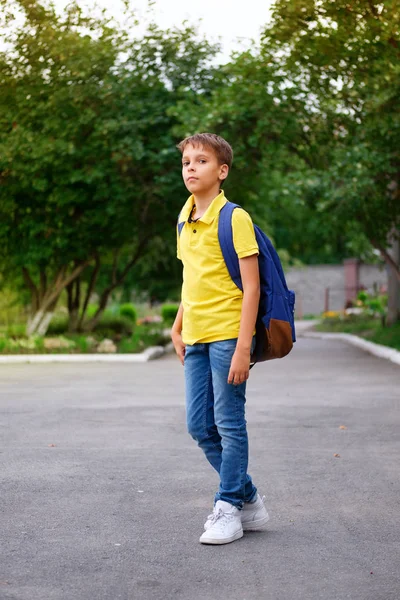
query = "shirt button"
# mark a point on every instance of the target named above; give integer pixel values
(194, 230)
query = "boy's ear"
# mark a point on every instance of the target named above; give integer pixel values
(223, 172)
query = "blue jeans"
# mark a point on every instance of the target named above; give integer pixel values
(215, 412)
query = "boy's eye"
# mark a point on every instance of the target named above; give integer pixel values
(202, 160)
(185, 164)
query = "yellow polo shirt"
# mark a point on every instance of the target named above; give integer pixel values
(212, 303)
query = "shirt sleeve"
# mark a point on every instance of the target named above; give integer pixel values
(244, 237)
(178, 250)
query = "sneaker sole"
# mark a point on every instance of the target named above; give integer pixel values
(218, 542)
(254, 525)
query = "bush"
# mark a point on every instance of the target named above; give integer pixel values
(58, 325)
(16, 331)
(129, 311)
(110, 325)
(373, 305)
(362, 296)
(143, 338)
(26, 345)
(169, 312)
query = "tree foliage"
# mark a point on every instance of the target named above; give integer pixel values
(86, 146)
(90, 114)
(314, 119)
(346, 58)
(343, 58)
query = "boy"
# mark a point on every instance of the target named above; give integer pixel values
(213, 335)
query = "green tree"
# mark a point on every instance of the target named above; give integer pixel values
(87, 153)
(343, 59)
(278, 166)
(314, 119)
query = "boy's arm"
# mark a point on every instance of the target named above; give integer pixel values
(176, 334)
(240, 364)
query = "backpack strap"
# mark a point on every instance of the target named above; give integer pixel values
(180, 224)
(225, 237)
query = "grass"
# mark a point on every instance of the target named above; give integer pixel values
(143, 336)
(367, 328)
(387, 336)
(128, 336)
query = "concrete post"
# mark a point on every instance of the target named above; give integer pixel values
(351, 278)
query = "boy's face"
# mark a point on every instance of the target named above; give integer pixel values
(201, 170)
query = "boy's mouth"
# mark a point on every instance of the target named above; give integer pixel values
(191, 179)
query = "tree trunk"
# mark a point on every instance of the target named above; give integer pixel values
(45, 300)
(40, 321)
(391, 256)
(89, 292)
(116, 281)
(393, 314)
(74, 301)
(44, 323)
(34, 322)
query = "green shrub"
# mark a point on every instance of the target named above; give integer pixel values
(58, 325)
(129, 311)
(82, 343)
(16, 330)
(21, 345)
(110, 325)
(362, 296)
(169, 312)
(374, 305)
(142, 338)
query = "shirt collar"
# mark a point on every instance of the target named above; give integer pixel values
(211, 212)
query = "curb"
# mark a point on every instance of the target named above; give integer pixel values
(302, 326)
(375, 349)
(149, 354)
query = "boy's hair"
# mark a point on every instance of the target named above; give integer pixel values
(221, 148)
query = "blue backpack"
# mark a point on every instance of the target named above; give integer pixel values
(275, 333)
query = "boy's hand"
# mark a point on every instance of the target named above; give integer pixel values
(178, 345)
(240, 367)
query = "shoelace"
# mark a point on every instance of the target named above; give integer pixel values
(213, 518)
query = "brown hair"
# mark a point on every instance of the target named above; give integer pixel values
(221, 148)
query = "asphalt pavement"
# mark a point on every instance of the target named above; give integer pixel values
(104, 494)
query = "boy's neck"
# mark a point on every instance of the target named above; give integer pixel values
(203, 201)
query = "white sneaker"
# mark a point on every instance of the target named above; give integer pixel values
(225, 525)
(253, 515)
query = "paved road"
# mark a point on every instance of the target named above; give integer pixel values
(115, 508)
